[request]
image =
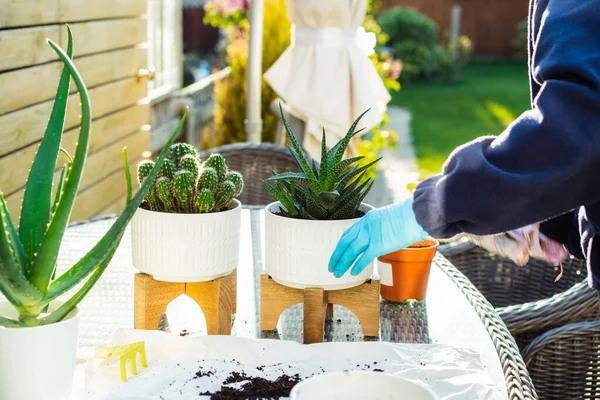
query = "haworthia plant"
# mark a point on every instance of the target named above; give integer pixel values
(187, 185)
(28, 256)
(332, 191)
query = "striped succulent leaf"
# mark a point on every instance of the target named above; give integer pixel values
(330, 191)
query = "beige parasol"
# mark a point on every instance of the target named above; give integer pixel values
(325, 76)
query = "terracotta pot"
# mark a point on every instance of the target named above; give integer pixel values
(405, 273)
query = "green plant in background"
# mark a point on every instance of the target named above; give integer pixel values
(186, 185)
(28, 256)
(414, 39)
(332, 190)
(520, 41)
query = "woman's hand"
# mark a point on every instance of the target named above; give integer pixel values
(379, 232)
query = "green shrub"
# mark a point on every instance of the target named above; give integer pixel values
(414, 40)
(520, 40)
(407, 24)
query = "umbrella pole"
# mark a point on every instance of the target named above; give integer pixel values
(253, 122)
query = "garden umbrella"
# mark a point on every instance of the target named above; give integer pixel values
(326, 77)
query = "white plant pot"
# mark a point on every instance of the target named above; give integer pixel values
(186, 247)
(37, 363)
(359, 385)
(297, 251)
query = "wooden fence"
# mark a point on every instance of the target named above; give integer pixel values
(491, 24)
(108, 54)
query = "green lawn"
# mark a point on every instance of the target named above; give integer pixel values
(488, 98)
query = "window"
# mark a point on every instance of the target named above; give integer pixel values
(164, 46)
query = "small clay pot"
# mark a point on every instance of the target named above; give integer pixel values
(405, 273)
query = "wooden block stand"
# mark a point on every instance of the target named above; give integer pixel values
(216, 300)
(362, 300)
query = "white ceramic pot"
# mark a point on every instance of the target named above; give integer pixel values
(297, 251)
(359, 385)
(37, 363)
(186, 247)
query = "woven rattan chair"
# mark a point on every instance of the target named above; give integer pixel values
(255, 161)
(555, 324)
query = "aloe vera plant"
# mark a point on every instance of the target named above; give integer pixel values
(28, 256)
(332, 190)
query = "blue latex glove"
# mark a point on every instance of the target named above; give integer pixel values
(379, 232)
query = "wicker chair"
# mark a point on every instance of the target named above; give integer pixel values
(255, 161)
(555, 324)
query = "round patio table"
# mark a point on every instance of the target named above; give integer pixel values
(454, 312)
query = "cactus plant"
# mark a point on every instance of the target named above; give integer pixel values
(28, 256)
(186, 185)
(332, 191)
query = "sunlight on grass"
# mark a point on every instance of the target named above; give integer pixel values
(446, 115)
(502, 113)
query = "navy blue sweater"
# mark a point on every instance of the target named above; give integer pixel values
(545, 165)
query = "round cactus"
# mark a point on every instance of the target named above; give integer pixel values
(237, 179)
(163, 190)
(167, 169)
(183, 187)
(205, 200)
(225, 195)
(208, 180)
(217, 162)
(143, 170)
(178, 150)
(191, 164)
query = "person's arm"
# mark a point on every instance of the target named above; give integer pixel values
(544, 164)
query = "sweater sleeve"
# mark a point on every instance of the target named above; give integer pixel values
(546, 162)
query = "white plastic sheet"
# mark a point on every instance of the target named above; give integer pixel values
(452, 373)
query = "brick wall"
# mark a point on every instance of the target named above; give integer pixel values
(489, 23)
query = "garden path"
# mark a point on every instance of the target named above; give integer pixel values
(398, 167)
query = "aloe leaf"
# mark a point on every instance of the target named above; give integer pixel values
(340, 148)
(127, 174)
(353, 172)
(283, 199)
(10, 323)
(324, 163)
(315, 209)
(365, 191)
(13, 283)
(13, 235)
(315, 170)
(336, 171)
(68, 306)
(111, 239)
(351, 203)
(45, 262)
(290, 175)
(61, 185)
(303, 162)
(37, 199)
(299, 162)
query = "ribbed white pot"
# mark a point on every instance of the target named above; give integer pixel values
(186, 247)
(37, 363)
(297, 251)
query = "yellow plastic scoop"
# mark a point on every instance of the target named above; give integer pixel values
(126, 352)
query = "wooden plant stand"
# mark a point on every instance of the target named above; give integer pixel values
(216, 299)
(362, 300)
